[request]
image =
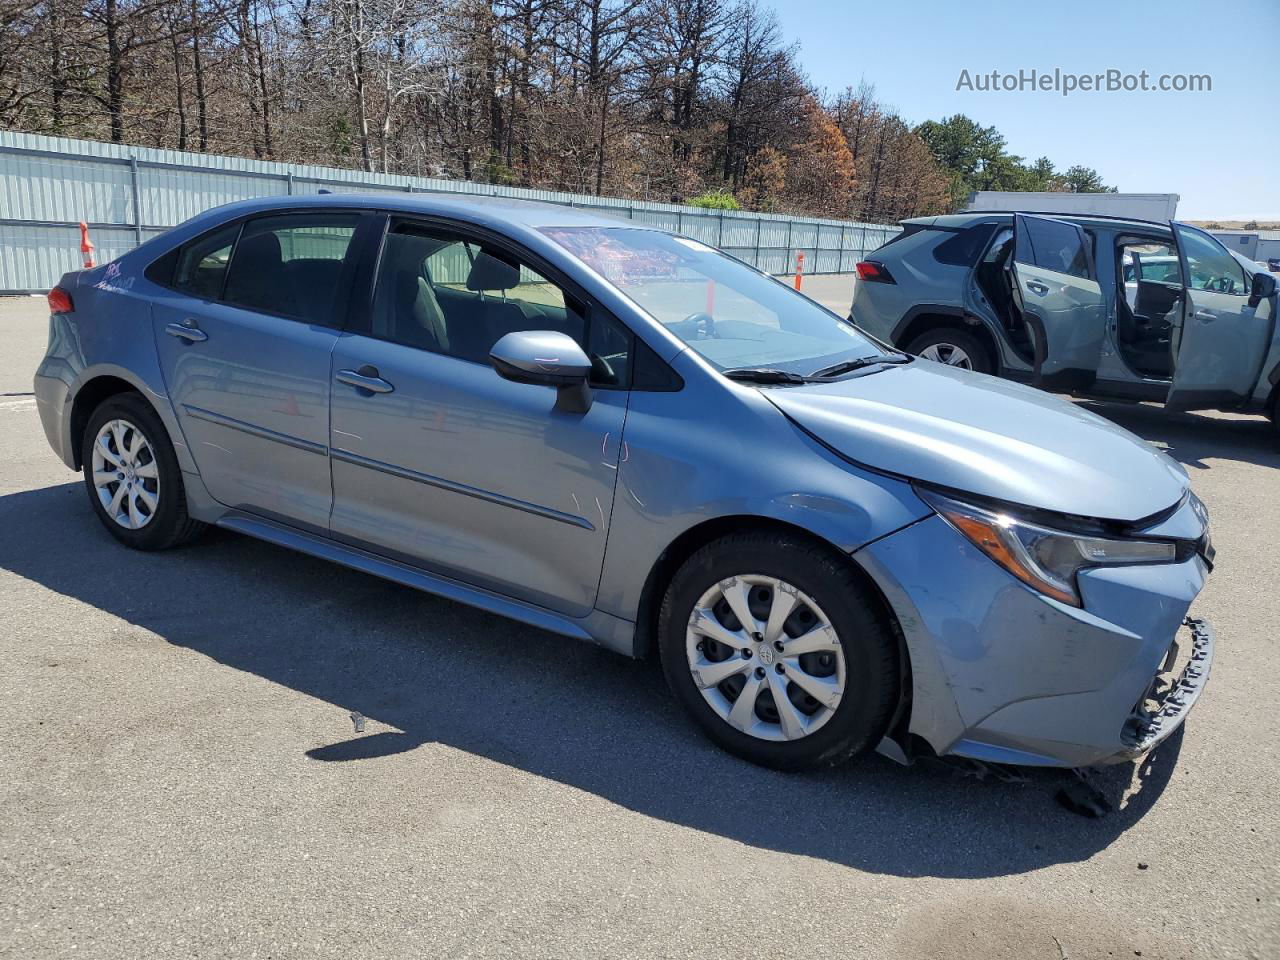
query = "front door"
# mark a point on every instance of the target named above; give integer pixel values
(1220, 340)
(1056, 288)
(244, 334)
(440, 462)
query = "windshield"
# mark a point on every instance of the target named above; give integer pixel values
(732, 315)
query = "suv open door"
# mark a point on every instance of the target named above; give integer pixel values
(1056, 288)
(1220, 337)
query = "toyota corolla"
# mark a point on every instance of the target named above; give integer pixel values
(625, 436)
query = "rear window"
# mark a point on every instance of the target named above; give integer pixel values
(908, 229)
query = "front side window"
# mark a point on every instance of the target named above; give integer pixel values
(458, 298)
(1209, 265)
(291, 265)
(731, 314)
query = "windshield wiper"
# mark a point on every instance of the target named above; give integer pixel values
(848, 366)
(764, 375)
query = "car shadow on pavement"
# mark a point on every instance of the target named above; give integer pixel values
(1192, 438)
(436, 671)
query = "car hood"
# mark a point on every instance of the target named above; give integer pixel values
(990, 437)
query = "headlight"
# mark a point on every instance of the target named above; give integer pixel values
(1039, 556)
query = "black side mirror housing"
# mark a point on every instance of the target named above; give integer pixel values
(548, 358)
(1264, 286)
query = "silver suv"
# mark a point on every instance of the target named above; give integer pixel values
(1121, 309)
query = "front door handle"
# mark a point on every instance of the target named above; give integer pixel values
(366, 378)
(1035, 286)
(1208, 316)
(188, 330)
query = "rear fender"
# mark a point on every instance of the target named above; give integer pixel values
(109, 335)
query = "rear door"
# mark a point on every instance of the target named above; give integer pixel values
(244, 335)
(1057, 290)
(1221, 339)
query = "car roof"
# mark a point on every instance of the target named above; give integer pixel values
(531, 214)
(958, 221)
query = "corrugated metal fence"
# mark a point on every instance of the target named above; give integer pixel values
(127, 194)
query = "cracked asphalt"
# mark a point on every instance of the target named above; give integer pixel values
(181, 774)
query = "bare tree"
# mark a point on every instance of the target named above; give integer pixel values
(652, 98)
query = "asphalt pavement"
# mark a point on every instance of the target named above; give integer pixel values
(232, 750)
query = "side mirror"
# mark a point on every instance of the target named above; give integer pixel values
(550, 359)
(1264, 286)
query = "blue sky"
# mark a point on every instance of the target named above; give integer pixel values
(1219, 150)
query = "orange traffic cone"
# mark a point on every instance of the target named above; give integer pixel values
(86, 246)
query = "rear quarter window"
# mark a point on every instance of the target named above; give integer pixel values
(962, 248)
(201, 266)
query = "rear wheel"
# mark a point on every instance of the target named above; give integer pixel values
(132, 476)
(954, 348)
(779, 651)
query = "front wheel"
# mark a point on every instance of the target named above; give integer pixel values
(779, 651)
(954, 348)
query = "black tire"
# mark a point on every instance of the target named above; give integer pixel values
(979, 356)
(170, 525)
(853, 609)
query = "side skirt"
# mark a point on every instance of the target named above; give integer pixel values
(597, 627)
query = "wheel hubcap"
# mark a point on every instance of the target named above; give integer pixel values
(126, 475)
(765, 657)
(947, 353)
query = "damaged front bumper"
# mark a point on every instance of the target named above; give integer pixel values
(1003, 674)
(1165, 704)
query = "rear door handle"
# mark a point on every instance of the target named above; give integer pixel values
(1035, 286)
(366, 378)
(187, 330)
(1208, 316)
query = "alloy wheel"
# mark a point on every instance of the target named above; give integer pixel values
(949, 354)
(126, 475)
(765, 657)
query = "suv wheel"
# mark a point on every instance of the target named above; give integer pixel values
(132, 475)
(953, 347)
(779, 651)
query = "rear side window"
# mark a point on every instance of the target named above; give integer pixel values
(1055, 245)
(291, 265)
(961, 249)
(202, 265)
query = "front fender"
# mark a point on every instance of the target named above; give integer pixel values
(711, 452)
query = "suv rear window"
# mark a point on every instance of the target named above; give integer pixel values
(907, 230)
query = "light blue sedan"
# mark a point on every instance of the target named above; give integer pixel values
(624, 436)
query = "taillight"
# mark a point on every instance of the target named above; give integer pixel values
(60, 301)
(877, 272)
